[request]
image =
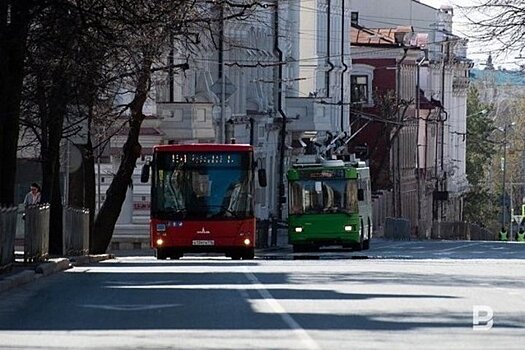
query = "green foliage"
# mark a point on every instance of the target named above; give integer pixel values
(479, 202)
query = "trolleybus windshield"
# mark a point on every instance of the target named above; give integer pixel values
(326, 196)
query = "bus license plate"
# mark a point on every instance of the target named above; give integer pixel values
(203, 242)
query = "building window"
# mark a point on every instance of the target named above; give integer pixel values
(361, 82)
(359, 88)
(354, 18)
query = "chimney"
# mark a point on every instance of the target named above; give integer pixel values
(400, 34)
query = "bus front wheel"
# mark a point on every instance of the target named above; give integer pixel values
(248, 255)
(161, 254)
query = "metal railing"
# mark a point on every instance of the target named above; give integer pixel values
(381, 210)
(76, 231)
(36, 236)
(8, 216)
(461, 231)
(397, 229)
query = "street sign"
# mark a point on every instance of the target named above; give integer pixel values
(229, 88)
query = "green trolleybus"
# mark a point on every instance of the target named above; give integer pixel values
(329, 204)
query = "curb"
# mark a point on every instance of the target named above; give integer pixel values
(48, 268)
(89, 259)
(52, 266)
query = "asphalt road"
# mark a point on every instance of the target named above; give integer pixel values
(398, 295)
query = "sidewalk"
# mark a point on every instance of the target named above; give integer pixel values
(21, 273)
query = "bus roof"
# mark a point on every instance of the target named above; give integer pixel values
(203, 147)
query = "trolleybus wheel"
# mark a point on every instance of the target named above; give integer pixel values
(299, 248)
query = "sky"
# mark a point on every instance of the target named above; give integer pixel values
(476, 51)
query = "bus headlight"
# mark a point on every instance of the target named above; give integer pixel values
(160, 242)
(298, 229)
(247, 241)
(348, 228)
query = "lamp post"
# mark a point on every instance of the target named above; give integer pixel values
(504, 170)
(504, 177)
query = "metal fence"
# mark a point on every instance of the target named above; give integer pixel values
(76, 231)
(261, 233)
(461, 231)
(381, 210)
(36, 236)
(7, 236)
(397, 229)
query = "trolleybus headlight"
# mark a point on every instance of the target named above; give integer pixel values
(348, 228)
(160, 241)
(298, 229)
(247, 241)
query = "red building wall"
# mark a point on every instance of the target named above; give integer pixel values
(376, 134)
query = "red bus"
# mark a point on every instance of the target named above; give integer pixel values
(202, 199)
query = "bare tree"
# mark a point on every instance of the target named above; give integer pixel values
(498, 22)
(145, 39)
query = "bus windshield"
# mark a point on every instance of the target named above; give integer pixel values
(202, 185)
(327, 196)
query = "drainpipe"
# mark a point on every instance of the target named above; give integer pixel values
(444, 180)
(328, 48)
(345, 69)
(222, 128)
(397, 172)
(171, 62)
(418, 108)
(279, 96)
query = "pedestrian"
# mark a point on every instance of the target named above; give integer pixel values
(33, 196)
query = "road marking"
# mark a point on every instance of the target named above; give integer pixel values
(458, 247)
(125, 283)
(130, 307)
(307, 341)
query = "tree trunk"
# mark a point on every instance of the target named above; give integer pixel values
(13, 36)
(89, 185)
(116, 193)
(51, 183)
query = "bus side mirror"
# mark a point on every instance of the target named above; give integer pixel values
(360, 194)
(261, 175)
(144, 175)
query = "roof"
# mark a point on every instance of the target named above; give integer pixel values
(366, 36)
(401, 36)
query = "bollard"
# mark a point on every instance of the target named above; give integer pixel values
(520, 237)
(503, 235)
